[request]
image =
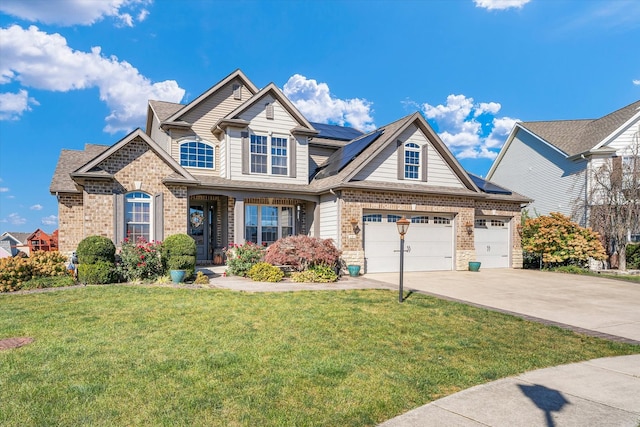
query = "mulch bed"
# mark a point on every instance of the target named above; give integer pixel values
(9, 343)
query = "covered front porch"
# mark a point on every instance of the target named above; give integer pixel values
(216, 220)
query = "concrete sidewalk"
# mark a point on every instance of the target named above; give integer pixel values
(601, 392)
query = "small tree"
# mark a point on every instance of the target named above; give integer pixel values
(561, 241)
(613, 199)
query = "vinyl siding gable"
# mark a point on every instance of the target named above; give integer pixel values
(384, 167)
(535, 170)
(279, 126)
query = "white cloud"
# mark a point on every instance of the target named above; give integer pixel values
(315, 102)
(4, 189)
(460, 126)
(15, 219)
(36, 207)
(636, 82)
(76, 12)
(12, 105)
(500, 4)
(45, 61)
(50, 220)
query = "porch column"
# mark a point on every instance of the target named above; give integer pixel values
(313, 219)
(238, 221)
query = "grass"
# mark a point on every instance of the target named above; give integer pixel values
(136, 355)
(601, 273)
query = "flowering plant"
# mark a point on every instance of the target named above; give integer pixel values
(240, 258)
(140, 260)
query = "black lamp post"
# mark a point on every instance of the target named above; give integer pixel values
(403, 225)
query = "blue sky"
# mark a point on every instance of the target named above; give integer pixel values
(75, 72)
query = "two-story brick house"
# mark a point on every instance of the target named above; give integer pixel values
(240, 163)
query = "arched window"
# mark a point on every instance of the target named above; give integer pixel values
(197, 154)
(411, 161)
(137, 216)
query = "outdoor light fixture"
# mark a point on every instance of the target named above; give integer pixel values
(354, 225)
(403, 226)
(469, 228)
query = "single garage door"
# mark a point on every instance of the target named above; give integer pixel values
(492, 242)
(428, 243)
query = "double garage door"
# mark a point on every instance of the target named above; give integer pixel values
(429, 242)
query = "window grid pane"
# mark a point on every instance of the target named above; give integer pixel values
(196, 155)
(411, 162)
(278, 156)
(259, 154)
(138, 216)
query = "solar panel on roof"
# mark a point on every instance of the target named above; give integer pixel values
(488, 187)
(344, 155)
(341, 133)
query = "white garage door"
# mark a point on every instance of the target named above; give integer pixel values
(492, 242)
(428, 242)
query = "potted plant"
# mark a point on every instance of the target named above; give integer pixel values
(354, 270)
(178, 267)
(474, 265)
(179, 253)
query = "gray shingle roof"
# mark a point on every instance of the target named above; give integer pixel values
(578, 136)
(69, 161)
(164, 110)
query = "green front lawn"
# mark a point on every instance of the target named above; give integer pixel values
(135, 355)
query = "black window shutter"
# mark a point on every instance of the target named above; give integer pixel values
(400, 153)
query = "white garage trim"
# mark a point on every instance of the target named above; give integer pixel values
(429, 242)
(492, 242)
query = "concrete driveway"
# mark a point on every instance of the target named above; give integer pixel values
(606, 306)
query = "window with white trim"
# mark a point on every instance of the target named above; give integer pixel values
(393, 218)
(197, 154)
(420, 219)
(269, 154)
(411, 161)
(441, 220)
(265, 224)
(137, 212)
(372, 218)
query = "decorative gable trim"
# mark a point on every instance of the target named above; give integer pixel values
(237, 74)
(272, 89)
(92, 170)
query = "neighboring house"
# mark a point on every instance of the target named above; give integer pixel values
(550, 161)
(14, 242)
(41, 241)
(240, 164)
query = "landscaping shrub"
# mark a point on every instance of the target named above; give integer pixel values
(240, 258)
(96, 248)
(561, 241)
(301, 252)
(98, 273)
(316, 274)
(13, 273)
(17, 272)
(265, 272)
(201, 279)
(633, 256)
(182, 247)
(140, 260)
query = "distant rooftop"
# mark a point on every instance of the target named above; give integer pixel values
(340, 133)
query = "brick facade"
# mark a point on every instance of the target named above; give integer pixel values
(464, 210)
(134, 167)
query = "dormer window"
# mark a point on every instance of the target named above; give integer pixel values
(411, 161)
(197, 154)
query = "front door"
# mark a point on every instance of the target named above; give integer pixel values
(202, 225)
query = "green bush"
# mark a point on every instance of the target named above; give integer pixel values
(99, 273)
(179, 253)
(183, 262)
(240, 258)
(316, 274)
(633, 256)
(140, 260)
(201, 279)
(96, 248)
(265, 272)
